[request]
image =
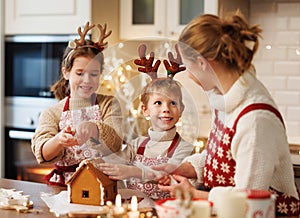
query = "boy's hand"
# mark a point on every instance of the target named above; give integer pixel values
(117, 171)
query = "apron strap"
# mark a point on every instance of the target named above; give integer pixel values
(258, 106)
(94, 101)
(171, 149)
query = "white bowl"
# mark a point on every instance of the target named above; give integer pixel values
(170, 207)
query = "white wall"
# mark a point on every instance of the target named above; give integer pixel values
(279, 67)
(1, 88)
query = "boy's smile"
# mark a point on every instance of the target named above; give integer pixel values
(164, 111)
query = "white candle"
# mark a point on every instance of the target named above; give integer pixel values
(118, 201)
(134, 205)
(118, 205)
(134, 213)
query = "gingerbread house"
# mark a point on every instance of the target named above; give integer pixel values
(88, 185)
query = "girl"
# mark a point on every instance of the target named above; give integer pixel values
(82, 125)
(162, 103)
(247, 146)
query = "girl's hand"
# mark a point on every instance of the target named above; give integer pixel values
(85, 131)
(117, 171)
(66, 137)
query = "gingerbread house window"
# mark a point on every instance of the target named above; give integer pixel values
(85, 194)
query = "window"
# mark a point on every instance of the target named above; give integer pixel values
(85, 194)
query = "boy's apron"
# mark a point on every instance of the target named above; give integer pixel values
(150, 188)
(219, 167)
(73, 155)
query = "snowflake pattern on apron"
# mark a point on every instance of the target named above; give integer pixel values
(219, 167)
(73, 155)
(149, 188)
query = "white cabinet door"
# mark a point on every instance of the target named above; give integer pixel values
(142, 18)
(152, 19)
(45, 16)
(180, 12)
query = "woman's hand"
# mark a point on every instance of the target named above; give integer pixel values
(184, 169)
(183, 185)
(85, 131)
(119, 171)
(165, 167)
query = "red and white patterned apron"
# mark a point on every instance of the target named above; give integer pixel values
(149, 188)
(219, 167)
(73, 155)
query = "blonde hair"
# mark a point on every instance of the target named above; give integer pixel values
(230, 41)
(161, 84)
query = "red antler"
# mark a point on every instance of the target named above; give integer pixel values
(174, 67)
(147, 63)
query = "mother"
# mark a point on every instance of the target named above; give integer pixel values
(247, 146)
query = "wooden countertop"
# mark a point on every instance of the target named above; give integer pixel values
(34, 190)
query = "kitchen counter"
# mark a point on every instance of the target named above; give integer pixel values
(34, 190)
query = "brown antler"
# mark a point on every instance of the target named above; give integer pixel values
(175, 64)
(83, 33)
(102, 36)
(147, 63)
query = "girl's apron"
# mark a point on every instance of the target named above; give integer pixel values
(150, 188)
(219, 167)
(73, 155)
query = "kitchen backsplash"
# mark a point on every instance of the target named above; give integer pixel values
(278, 59)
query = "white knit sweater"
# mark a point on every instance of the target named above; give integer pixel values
(259, 147)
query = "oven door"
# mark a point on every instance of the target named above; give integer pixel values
(20, 163)
(21, 119)
(32, 64)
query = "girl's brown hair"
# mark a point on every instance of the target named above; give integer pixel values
(61, 88)
(158, 86)
(230, 41)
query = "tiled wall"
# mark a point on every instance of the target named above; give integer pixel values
(278, 59)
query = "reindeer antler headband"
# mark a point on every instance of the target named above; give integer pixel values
(172, 68)
(80, 43)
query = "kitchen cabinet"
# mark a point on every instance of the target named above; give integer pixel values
(160, 18)
(45, 17)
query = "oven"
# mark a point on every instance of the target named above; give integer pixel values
(32, 65)
(22, 115)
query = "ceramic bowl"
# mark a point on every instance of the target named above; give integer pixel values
(170, 207)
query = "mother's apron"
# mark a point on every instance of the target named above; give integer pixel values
(150, 188)
(219, 167)
(73, 155)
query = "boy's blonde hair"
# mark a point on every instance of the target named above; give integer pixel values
(162, 84)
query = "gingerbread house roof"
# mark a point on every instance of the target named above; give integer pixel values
(101, 177)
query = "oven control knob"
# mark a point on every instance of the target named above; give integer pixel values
(30, 121)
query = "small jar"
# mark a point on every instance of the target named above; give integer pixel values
(260, 203)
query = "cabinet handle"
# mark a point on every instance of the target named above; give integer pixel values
(159, 32)
(172, 33)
